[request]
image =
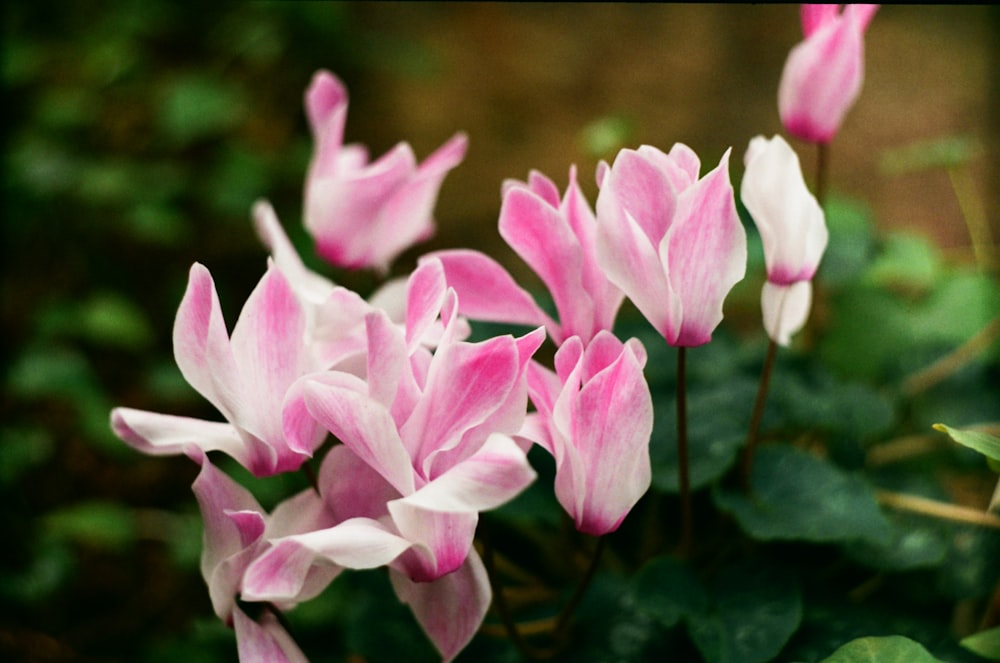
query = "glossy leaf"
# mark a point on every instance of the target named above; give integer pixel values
(799, 496)
(889, 649)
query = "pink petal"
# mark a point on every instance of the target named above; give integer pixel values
(821, 81)
(815, 16)
(281, 572)
(542, 237)
(202, 349)
(466, 384)
(486, 291)
(324, 96)
(449, 609)
(308, 285)
(264, 642)
(351, 488)
(364, 425)
(492, 476)
(632, 263)
(424, 298)
(168, 435)
(442, 540)
(268, 341)
(705, 254)
(613, 421)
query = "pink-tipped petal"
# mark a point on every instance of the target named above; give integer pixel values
(201, 346)
(265, 641)
(486, 291)
(822, 79)
(364, 425)
(168, 435)
(543, 238)
(705, 253)
(281, 572)
(449, 609)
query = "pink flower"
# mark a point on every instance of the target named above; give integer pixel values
(672, 242)
(426, 446)
(363, 214)
(595, 416)
(792, 227)
(823, 74)
(246, 377)
(235, 532)
(558, 240)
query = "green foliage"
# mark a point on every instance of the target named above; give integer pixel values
(985, 643)
(890, 649)
(984, 443)
(797, 496)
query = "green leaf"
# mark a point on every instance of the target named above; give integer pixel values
(851, 242)
(199, 106)
(984, 443)
(797, 495)
(98, 524)
(907, 262)
(717, 424)
(667, 590)
(914, 542)
(889, 649)
(985, 643)
(756, 609)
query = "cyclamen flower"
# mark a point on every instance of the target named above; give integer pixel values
(672, 242)
(235, 532)
(426, 445)
(363, 214)
(557, 238)
(246, 377)
(595, 416)
(823, 74)
(792, 227)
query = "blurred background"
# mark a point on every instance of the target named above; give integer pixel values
(138, 135)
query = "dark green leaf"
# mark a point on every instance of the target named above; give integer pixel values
(667, 590)
(755, 610)
(889, 649)
(797, 495)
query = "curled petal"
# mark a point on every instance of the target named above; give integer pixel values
(281, 572)
(486, 291)
(169, 435)
(265, 641)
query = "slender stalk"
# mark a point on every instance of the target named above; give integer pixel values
(683, 462)
(822, 171)
(563, 621)
(526, 650)
(758, 413)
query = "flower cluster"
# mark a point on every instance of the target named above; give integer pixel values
(430, 429)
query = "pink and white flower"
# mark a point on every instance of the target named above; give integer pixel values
(595, 416)
(824, 73)
(557, 237)
(247, 377)
(793, 230)
(363, 214)
(426, 446)
(671, 241)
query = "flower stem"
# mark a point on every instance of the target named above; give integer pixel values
(522, 646)
(822, 170)
(683, 462)
(563, 621)
(758, 413)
